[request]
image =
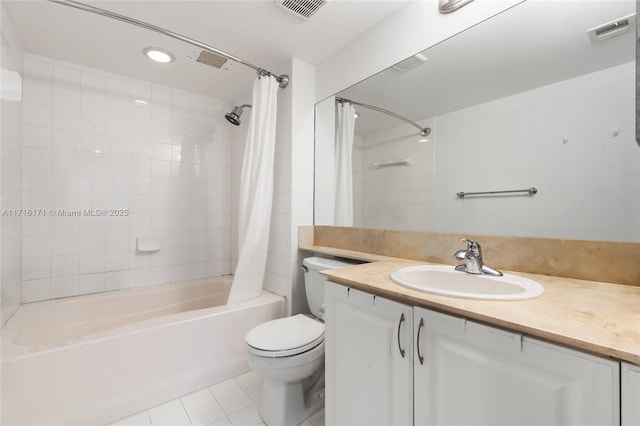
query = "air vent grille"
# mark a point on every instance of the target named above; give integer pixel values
(301, 8)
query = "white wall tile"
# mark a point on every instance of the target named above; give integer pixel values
(36, 246)
(88, 145)
(36, 114)
(37, 93)
(116, 280)
(91, 283)
(64, 286)
(36, 290)
(36, 268)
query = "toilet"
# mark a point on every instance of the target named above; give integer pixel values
(288, 353)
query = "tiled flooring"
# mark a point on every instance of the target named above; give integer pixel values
(233, 402)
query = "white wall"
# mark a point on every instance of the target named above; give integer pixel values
(88, 145)
(302, 173)
(589, 187)
(11, 168)
(412, 29)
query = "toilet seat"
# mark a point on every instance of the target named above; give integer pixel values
(285, 336)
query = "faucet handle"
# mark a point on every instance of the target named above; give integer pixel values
(473, 246)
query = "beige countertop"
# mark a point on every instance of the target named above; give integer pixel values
(597, 317)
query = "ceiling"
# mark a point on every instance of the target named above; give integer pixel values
(533, 44)
(255, 31)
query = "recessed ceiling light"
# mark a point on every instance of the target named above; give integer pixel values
(158, 55)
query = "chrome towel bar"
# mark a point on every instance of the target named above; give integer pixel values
(405, 162)
(530, 191)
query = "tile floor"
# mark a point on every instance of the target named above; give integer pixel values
(232, 402)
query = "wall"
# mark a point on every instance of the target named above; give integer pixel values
(589, 187)
(11, 167)
(302, 157)
(412, 29)
(89, 145)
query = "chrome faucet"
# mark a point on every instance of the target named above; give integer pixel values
(473, 260)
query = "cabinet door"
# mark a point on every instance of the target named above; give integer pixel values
(478, 375)
(630, 394)
(369, 367)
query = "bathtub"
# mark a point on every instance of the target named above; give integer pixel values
(96, 358)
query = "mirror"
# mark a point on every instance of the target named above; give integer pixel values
(528, 98)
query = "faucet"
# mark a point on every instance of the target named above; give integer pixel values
(473, 260)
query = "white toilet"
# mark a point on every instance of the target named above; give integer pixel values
(288, 353)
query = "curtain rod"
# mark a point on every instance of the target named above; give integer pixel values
(424, 131)
(283, 79)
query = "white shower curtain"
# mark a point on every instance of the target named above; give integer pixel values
(343, 213)
(256, 192)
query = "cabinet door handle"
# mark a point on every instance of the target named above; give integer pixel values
(399, 326)
(420, 357)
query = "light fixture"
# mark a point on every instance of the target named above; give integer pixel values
(159, 55)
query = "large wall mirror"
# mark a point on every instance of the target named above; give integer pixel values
(528, 98)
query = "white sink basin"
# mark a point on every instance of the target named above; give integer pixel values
(446, 281)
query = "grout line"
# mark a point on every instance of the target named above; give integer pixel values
(185, 410)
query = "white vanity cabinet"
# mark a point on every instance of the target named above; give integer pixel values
(467, 373)
(458, 372)
(630, 385)
(369, 359)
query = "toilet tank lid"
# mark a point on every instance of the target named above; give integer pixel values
(321, 263)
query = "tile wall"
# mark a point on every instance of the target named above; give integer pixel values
(11, 166)
(97, 141)
(395, 197)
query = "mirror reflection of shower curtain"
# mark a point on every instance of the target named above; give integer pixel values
(256, 192)
(343, 213)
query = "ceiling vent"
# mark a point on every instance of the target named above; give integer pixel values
(612, 29)
(411, 62)
(301, 8)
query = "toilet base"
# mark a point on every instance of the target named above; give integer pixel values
(287, 404)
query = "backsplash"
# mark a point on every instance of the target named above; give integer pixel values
(588, 260)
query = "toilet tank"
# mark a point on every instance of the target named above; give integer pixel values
(314, 281)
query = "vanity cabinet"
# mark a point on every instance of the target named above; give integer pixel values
(630, 385)
(471, 374)
(455, 371)
(368, 359)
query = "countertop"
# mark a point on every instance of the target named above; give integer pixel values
(601, 318)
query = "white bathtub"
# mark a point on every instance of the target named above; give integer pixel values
(94, 359)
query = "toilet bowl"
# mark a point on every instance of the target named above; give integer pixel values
(288, 353)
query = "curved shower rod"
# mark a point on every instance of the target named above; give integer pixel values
(424, 131)
(283, 79)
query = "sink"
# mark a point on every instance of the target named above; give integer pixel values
(446, 281)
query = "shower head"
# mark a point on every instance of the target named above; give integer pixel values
(233, 117)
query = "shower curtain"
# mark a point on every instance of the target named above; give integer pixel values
(256, 192)
(343, 213)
